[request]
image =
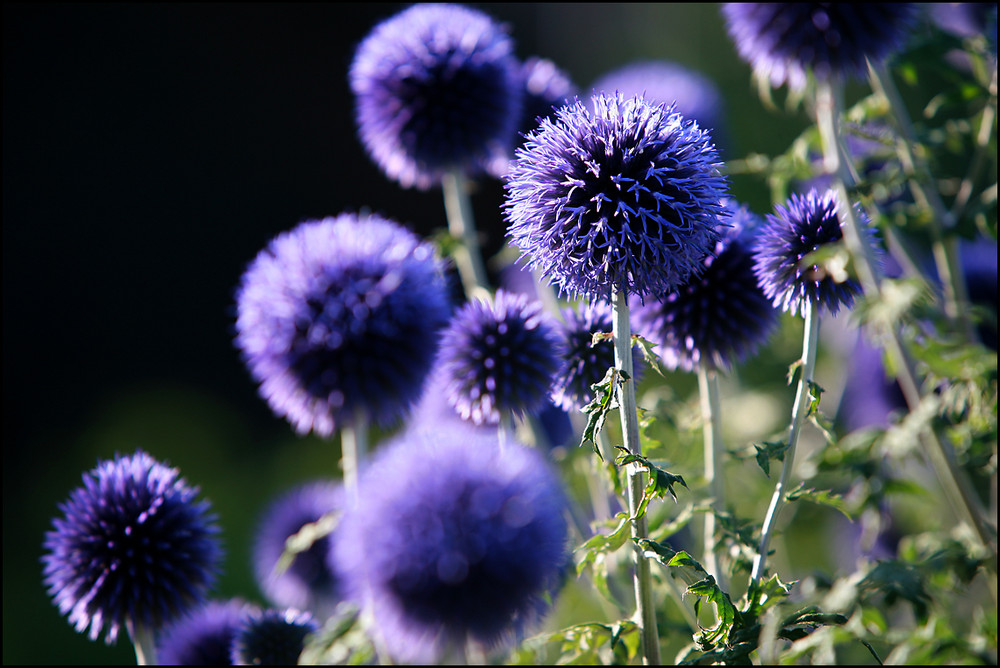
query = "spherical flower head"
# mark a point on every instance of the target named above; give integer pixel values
(621, 198)
(586, 364)
(204, 637)
(464, 544)
(134, 545)
(546, 87)
(437, 88)
(804, 225)
(272, 637)
(693, 95)
(784, 41)
(499, 358)
(307, 583)
(341, 317)
(718, 317)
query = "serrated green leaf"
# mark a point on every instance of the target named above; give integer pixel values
(823, 497)
(659, 482)
(598, 408)
(794, 370)
(771, 450)
(646, 348)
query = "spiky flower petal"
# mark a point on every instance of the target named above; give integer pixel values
(784, 41)
(341, 316)
(499, 358)
(437, 88)
(720, 316)
(202, 638)
(455, 539)
(624, 197)
(134, 545)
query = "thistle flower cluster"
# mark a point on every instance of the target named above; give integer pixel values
(624, 197)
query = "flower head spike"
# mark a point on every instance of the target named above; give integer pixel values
(134, 546)
(437, 88)
(545, 88)
(693, 95)
(272, 637)
(463, 545)
(805, 224)
(341, 316)
(499, 358)
(784, 41)
(720, 316)
(202, 638)
(585, 364)
(624, 197)
(307, 583)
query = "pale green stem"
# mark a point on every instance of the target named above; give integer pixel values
(986, 123)
(708, 386)
(645, 612)
(954, 482)
(810, 337)
(353, 448)
(144, 643)
(461, 223)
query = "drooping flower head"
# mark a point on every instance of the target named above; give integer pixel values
(341, 316)
(585, 364)
(463, 544)
(204, 637)
(804, 225)
(720, 316)
(546, 87)
(308, 583)
(272, 637)
(134, 546)
(693, 94)
(784, 41)
(499, 358)
(436, 88)
(624, 197)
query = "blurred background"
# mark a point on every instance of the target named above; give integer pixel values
(149, 152)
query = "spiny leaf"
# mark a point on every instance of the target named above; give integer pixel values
(771, 450)
(660, 481)
(597, 409)
(646, 347)
(794, 369)
(815, 392)
(823, 497)
(725, 610)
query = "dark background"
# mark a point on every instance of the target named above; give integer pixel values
(149, 152)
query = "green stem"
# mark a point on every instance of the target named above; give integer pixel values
(810, 337)
(645, 612)
(708, 387)
(353, 448)
(461, 223)
(144, 643)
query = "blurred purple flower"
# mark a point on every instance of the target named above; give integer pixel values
(204, 637)
(272, 637)
(545, 88)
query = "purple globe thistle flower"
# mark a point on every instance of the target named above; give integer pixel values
(545, 88)
(624, 197)
(341, 316)
(718, 317)
(308, 583)
(499, 358)
(693, 95)
(272, 637)
(784, 41)
(804, 225)
(204, 637)
(584, 364)
(134, 546)
(464, 544)
(437, 88)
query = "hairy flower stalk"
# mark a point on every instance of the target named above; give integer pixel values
(467, 255)
(708, 389)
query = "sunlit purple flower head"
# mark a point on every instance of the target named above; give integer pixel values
(693, 95)
(272, 637)
(134, 545)
(437, 88)
(341, 316)
(456, 538)
(784, 41)
(719, 317)
(546, 87)
(499, 358)
(584, 364)
(621, 198)
(804, 225)
(204, 637)
(308, 583)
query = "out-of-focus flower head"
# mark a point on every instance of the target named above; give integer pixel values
(546, 87)
(204, 637)
(785, 41)
(718, 317)
(133, 546)
(455, 538)
(341, 317)
(272, 637)
(437, 88)
(619, 195)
